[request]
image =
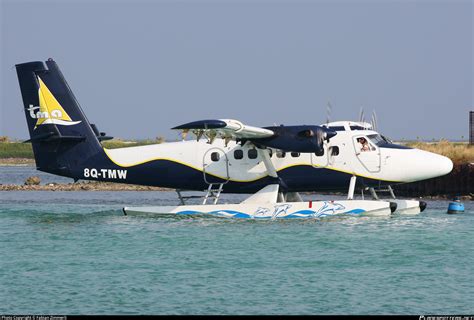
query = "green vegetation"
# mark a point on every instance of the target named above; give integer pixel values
(15, 149)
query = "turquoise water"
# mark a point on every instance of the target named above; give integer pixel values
(75, 253)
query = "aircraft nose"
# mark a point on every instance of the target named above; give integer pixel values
(416, 165)
(445, 165)
(436, 165)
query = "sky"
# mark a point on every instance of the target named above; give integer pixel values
(139, 68)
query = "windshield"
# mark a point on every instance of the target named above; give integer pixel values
(377, 139)
(386, 139)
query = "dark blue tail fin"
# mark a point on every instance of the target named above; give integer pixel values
(63, 140)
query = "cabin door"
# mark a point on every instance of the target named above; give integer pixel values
(367, 153)
(215, 166)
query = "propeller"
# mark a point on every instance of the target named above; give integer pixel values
(211, 135)
(374, 121)
(323, 135)
(198, 133)
(318, 135)
(227, 139)
(328, 112)
(361, 115)
(184, 134)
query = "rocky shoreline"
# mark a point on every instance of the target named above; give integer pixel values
(80, 186)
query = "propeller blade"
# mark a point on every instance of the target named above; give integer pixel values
(211, 135)
(227, 140)
(375, 127)
(184, 134)
(361, 114)
(328, 112)
(198, 133)
(319, 136)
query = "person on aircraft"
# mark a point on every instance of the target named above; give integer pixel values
(364, 144)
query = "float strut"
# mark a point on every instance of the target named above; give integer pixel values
(352, 184)
(373, 193)
(392, 194)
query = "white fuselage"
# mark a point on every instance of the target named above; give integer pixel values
(343, 153)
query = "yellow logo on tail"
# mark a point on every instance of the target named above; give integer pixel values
(50, 111)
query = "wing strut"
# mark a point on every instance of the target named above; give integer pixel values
(268, 163)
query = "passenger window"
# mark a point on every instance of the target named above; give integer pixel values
(334, 150)
(270, 153)
(215, 156)
(295, 154)
(238, 154)
(252, 153)
(280, 154)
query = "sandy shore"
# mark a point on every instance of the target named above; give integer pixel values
(17, 162)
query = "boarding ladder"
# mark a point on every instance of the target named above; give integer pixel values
(213, 192)
(374, 191)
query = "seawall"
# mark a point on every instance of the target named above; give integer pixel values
(460, 182)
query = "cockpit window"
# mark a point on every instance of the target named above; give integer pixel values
(386, 139)
(378, 139)
(357, 128)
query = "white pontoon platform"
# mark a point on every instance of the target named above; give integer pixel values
(264, 205)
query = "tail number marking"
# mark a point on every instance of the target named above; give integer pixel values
(105, 173)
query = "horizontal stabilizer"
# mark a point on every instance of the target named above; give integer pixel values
(101, 136)
(54, 137)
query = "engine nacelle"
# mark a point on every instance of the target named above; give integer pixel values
(307, 139)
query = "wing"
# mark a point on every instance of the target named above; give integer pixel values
(227, 129)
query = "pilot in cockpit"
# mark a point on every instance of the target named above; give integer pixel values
(364, 145)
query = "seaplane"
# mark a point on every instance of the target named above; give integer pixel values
(274, 164)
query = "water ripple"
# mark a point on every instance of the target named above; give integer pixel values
(77, 253)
